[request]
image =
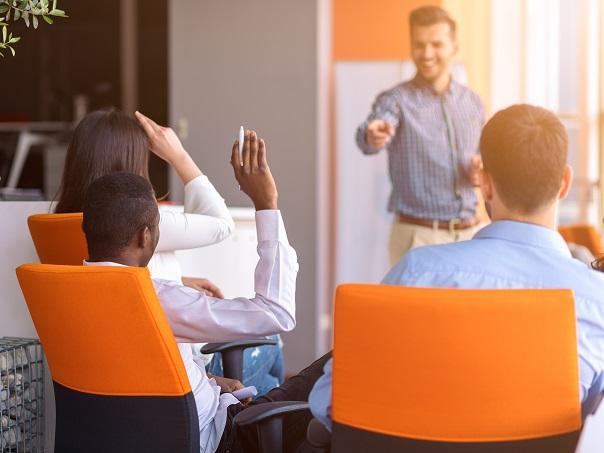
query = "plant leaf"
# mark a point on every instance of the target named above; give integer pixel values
(47, 19)
(4, 34)
(12, 50)
(35, 21)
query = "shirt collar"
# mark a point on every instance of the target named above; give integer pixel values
(525, 233)
(103, 263)
(451, 90)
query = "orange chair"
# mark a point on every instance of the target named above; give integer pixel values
(455, 370)
(585, 235)
(120, 384)
(451, 371)
(58, 238)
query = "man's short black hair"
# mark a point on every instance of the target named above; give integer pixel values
(116, 207)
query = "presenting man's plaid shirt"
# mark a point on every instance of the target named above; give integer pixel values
(430, 153)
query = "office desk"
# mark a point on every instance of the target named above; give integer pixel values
(30, 134)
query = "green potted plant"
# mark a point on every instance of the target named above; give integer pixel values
(29, 11)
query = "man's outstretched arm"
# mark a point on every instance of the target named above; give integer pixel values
(196, 317)
(380, 127)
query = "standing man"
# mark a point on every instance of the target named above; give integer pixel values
(430, 127)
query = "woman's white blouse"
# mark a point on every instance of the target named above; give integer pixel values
(206, 220)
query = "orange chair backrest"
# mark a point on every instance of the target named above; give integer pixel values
(58, 238)
(456, 365)
(103, 330)
(583, 234)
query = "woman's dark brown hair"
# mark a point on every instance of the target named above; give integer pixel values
(104, 142)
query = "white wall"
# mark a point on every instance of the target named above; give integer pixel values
(16, 248)
(363, 185)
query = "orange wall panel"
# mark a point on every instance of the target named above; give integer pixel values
(373, 29)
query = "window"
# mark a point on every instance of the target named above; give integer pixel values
(546, 52)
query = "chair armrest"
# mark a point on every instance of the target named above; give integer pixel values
(598, 404)
(211, 348)
(318, 435)
(261, 412)
(232, 354)
(269, 420)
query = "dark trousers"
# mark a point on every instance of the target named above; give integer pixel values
(296, 388)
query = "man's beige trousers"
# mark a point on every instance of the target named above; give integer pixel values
(405, 236)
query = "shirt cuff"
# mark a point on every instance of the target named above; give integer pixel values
(269, 226)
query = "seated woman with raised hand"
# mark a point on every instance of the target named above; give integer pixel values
(109, 141)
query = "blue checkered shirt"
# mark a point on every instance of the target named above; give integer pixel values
(430, 153)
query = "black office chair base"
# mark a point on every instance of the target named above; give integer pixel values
(232, 354)
(95, 423)
(349, 439)
(268, 418)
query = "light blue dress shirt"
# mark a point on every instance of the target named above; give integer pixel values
(506, 254)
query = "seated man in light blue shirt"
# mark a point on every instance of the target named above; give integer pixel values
(524, 150)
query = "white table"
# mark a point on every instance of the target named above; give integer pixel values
(30, 134)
